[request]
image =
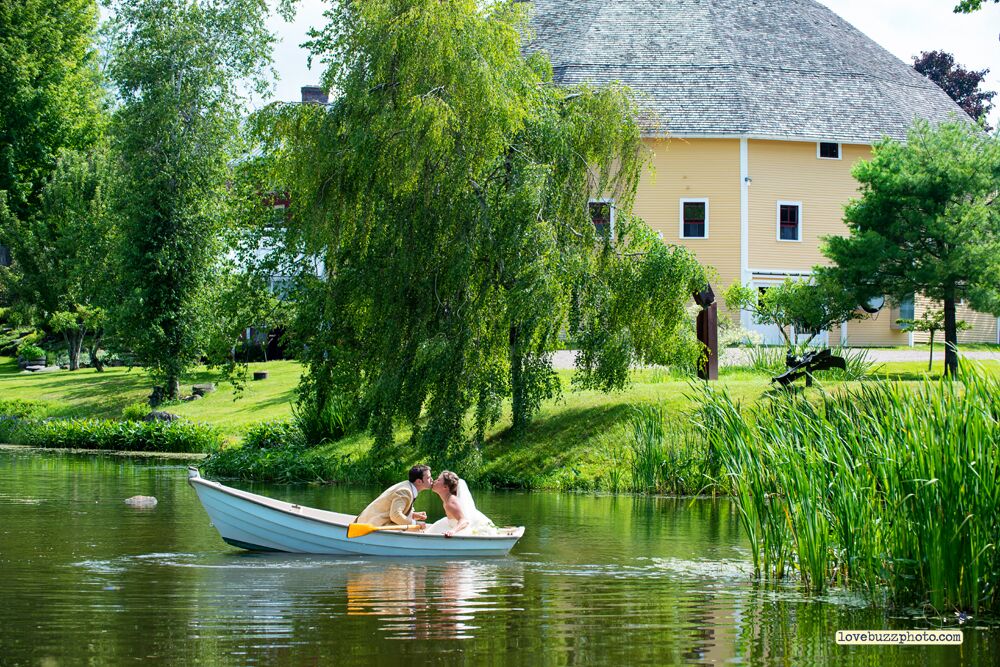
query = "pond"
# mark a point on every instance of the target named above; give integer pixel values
(595, 580)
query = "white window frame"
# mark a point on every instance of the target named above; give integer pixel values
(680, 213)
(611, 203)
(777, 221)
(840, 150)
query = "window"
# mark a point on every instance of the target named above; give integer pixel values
(602, 214)
(694, 218)
(4, 256)
(828, 151)
(906, 308)
(789, 221)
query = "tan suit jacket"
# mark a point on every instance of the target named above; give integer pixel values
(394, 506)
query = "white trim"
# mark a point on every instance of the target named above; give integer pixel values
(745, 275)
(910, 341)
(782, 272)
(613, 208)
(692, 200)
(843, 334)
(777, 220)
(840, 151)
(753, 137)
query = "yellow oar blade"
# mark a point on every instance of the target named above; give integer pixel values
(362, 529)
(359, 530)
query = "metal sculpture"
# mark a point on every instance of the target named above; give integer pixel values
(807, 364)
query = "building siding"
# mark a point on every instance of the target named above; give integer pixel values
(692, 169)
(984, 326)
(790, 171)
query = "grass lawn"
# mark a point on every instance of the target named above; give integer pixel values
(87, 393)
(570, 444)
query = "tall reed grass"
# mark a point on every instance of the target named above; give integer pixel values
(889, 487)
(665, 456)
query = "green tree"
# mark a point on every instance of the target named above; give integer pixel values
(50, 91)
(969, 6)
(446, 190)
(180, 67)
(796, 307)
(931, 321)
(63, 252)
(927, 223)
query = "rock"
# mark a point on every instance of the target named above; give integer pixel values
(34, 369)
(192, 397)
(141, 501)
(158, 416)
(202, 389)
(260, 375)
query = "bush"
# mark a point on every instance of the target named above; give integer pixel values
(175, 436)
(30, 351)
(135, 412)
(23, 409)
(320, 423)
(284, 464)
(274, 435)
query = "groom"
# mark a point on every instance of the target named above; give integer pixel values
(395, 505)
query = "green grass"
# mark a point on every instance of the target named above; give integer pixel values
(577, 442)
(87, 393)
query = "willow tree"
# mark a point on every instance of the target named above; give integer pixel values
(446, 190)
(180, 68)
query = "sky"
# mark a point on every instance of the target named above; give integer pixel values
(903, 27)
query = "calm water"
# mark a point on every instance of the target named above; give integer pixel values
(596, 580)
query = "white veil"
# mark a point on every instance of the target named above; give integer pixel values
(467, 504)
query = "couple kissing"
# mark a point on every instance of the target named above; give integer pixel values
(395, 505)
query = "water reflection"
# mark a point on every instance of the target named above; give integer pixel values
(427, 601)
(595, 580)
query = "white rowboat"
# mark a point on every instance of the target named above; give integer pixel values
(258, 523)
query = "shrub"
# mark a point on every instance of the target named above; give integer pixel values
(23, 409)
(282, 464)
(135, 412)
(320, 423)
(274, 435)
(175, 436)
(30, 351)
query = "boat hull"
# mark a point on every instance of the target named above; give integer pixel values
(258, 523)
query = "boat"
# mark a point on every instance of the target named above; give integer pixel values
(258, 523)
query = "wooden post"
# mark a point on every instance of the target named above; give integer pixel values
(708, 334)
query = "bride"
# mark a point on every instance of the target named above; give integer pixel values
(462, 517)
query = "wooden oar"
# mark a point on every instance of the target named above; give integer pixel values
(362, 529)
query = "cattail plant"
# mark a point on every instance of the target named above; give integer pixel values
(887, 487)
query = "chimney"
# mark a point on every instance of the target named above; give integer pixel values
(314, 94)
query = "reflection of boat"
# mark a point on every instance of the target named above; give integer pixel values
(259, 523)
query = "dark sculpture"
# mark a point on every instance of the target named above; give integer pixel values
(807, 364)
(708, 333)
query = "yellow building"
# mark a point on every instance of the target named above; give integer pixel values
(755, 114)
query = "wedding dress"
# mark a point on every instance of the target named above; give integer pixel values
(479, 524)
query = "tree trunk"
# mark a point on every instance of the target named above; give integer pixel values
(950, 335)
(74, 343)
(172, 388)
(519, 410)
(930, 364)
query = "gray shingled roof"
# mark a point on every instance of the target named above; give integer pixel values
(766, 68)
